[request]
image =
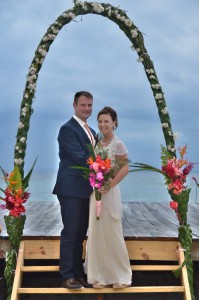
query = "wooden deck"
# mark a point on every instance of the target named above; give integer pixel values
(140, 220)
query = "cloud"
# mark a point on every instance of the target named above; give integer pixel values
(94, 54)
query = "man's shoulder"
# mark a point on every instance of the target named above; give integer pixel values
(69, 123)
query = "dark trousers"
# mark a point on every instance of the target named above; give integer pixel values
(74, 212)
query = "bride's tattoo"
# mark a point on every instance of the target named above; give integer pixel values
(121, 162)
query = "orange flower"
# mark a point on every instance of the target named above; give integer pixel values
(182, 151)
(182, 163)
(9, 177)
(13, 182)
(90, 160)
(107, 163)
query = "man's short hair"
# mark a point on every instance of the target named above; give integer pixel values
(82, 93)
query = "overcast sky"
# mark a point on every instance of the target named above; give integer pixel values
(92, 53)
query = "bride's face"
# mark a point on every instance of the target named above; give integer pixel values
(105, 124)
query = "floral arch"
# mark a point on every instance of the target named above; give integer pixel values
(120, 18)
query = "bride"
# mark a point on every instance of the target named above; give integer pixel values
(107, 262)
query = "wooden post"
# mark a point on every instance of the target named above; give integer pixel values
(18, 273)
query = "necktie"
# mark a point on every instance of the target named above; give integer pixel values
(90, 134)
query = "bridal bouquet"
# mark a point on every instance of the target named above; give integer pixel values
(99, 173)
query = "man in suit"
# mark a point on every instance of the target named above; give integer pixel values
(73, 191)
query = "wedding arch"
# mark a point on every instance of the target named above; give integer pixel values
(120, 18)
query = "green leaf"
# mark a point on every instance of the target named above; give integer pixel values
(2, 190)
(91, 150)
(165, 155)
(4, 173)
(25, 182)
(85, 170)
(15, 181)
(144, 167)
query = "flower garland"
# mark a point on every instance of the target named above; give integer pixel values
(132, 32)
(175, 171)
(15, 196)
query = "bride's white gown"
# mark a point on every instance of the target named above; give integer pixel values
(107, 260)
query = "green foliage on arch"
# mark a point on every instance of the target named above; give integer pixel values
(132, 32)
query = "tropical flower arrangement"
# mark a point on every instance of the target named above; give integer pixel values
(99, 172)
(15, 196)
(175, 171)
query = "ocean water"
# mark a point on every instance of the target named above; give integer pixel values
(136, 187)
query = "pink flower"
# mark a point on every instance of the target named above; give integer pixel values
(98, 185)
(176, 187)
(95, 166)
(100, 176)
(92, 181)
(2, 206)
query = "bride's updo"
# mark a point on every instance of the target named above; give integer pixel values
(109, 111)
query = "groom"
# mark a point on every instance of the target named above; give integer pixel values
(73, 191)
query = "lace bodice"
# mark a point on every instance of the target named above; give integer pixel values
(114, 148)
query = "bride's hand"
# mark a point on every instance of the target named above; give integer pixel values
(104, 189)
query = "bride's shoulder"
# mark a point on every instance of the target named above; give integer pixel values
(119, 147)
(117, 140)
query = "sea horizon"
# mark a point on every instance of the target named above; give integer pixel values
(136, 187)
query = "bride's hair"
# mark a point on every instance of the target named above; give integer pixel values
(109, 111)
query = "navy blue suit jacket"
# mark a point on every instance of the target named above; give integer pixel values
(73, 151)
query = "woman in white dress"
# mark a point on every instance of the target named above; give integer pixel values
(107, 262)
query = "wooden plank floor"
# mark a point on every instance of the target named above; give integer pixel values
(140, 220)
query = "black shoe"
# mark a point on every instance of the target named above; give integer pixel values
(84, 282)
(72, 284)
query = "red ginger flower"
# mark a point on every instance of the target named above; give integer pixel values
(14, 201)
(173, 205)
(188, 169)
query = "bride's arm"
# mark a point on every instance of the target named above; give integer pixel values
(123, 169)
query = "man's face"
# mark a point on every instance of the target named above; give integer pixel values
(83, 108)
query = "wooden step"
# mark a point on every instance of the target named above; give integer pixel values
(134, 268)
(138, 250)
(135, 289)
